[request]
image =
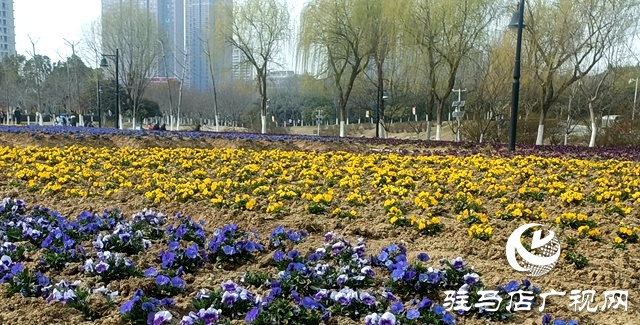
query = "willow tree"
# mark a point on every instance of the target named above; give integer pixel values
(256, 28)
(569, 39)
(448, 32)
(388, 40)
(336, 36)
(133, 31)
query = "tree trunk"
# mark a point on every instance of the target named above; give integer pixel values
(262, 84)
(594, 128)
(342, 114)
(381, 130)
(540, 137)
(439, 111)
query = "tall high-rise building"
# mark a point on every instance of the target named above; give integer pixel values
(185, 27)
(200, 44)
(171, 29)
(7, 29)
(241, 69)
(150, 5)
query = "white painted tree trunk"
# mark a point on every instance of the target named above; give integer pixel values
(481, 136)
(438, 132)
(120, 122)
(381, 130)
(540, 134)
(594, 130)
(81, 119)
(264, 123)
(217, 124)
(342, 129)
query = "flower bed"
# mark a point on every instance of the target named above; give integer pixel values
(441, 205)
(336, 281)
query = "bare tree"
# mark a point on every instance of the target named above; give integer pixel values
(337, 33)
(447, 33)
(164, 60)
(257, 28)
(37, 69)
(209, 52)
(568, 36)
(132, 30)
(592, 91)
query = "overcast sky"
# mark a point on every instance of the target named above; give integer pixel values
(50, 22)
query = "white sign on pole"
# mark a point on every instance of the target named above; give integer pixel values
(457, 114)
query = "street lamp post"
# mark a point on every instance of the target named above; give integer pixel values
(99, 105)
(104, 64)
(635, 97)
(517, 21)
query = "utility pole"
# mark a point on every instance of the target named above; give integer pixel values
(458, 114)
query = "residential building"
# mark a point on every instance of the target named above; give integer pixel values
(7, 29)
(280, 78)
(242, 70)
(150, 5)
(171, 28)
(201, 45)
(185, 27)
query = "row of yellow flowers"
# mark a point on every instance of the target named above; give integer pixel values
(414, 191)
(186, 173)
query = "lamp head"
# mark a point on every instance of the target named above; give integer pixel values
(104, 63)
(515, 19)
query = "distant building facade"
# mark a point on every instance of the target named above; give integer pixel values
(7, 29)
(185, 27)
(199, 21)
(242, 70)
(171, 23)
(150, 5)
